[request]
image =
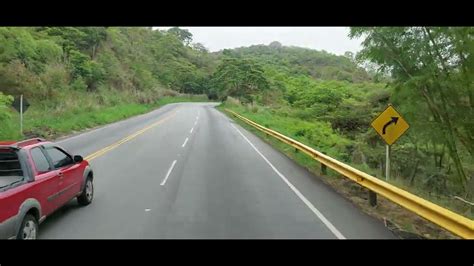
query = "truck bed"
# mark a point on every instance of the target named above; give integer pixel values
(7, 180)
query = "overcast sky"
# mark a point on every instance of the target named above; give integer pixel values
(331, 39)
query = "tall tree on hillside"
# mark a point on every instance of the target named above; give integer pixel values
(349, 55)
(436, 64)
(275, 45)
(93, 37)
(200, 47)
(183, 35)
(240, 78)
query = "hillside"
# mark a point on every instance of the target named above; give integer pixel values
(85, 70)
(297, 60)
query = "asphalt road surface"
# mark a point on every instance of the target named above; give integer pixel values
(188, 171)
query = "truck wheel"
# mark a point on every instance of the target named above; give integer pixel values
(28, 228)
(87, 194)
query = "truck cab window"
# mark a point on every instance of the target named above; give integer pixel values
(41, 163)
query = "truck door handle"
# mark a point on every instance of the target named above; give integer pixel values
(61, 175)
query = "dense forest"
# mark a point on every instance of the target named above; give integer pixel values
(319, 98)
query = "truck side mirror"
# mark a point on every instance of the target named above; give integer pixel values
(78, 158)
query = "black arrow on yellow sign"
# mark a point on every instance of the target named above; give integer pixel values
(394, 120)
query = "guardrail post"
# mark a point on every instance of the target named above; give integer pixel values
(372, 197)
(324, 169)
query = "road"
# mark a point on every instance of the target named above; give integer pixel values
(188, 171)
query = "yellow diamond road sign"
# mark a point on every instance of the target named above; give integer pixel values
(390, 125)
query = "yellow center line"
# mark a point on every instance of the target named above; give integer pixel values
(126, 139)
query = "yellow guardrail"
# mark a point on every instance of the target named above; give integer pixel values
(443, 217)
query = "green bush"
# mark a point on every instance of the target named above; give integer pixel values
(78, 84)
(5, 101)
(80, 64)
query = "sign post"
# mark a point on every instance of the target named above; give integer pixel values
(21, 114)
(390, 125)
(21, 105)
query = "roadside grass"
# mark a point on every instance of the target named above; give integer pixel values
(50, 121)
(186, 98)
(397, 218)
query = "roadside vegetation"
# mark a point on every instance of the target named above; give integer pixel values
(430, 83)
(80, 77)
(400, 221)
(63, 122)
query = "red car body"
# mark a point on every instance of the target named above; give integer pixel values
(37, 192)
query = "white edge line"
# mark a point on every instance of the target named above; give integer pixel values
(191, 130)
(185, 141)
(168, 174)
(326, 222)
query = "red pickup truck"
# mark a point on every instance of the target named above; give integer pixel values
(36, 178)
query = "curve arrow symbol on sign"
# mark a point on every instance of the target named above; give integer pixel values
(394, 120)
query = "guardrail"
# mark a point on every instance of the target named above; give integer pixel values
(445, 218)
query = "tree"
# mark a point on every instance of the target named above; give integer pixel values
(69, 38)
(240, 78)
(435, 64)
(275, 45)
(90, 71)
(86, 39)
(80, 64)
(92, 38)
(200, 47)
(183, 35)
(350, 55)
